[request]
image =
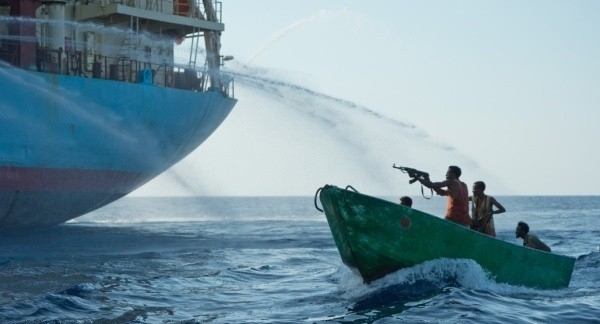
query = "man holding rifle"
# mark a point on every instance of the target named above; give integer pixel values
(457, 207)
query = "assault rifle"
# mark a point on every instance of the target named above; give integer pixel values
(415, 174)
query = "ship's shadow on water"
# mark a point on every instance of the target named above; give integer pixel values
(70, 239)
(56, 258)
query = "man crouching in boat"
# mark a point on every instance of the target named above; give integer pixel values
(457, 207)
(482, 211)
(406, 201)
(530, 240)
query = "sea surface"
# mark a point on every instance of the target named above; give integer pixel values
(273, 260)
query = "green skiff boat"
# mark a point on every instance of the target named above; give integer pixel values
(378, 237)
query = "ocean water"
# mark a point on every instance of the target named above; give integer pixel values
(273, 260)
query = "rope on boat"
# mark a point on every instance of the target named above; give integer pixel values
(316, 194)
(349, 186)
(346, 191)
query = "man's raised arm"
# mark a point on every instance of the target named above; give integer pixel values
(436, 186)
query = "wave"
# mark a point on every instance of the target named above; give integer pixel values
(437, 277)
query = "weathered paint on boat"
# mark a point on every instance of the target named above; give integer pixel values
(378, 237)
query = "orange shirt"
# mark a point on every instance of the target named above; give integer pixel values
(457, 206)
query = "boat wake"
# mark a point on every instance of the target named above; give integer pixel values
(416, 285)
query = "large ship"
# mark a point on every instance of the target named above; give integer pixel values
(94, 101)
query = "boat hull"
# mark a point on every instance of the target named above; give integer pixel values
(378, 237)
(69, 144)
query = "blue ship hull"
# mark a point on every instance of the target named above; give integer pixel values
(69, 144)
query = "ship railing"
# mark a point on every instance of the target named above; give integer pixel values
(131, 70)
(59, 61)
(185, 8)
(8, 51)
(228, 84)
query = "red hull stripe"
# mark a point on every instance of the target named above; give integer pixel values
(45, 179)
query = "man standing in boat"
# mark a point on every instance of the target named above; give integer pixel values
(457, 207)
(483, 211)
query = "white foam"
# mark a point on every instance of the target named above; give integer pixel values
(467, 273)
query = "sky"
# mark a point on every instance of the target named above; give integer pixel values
(508, 90)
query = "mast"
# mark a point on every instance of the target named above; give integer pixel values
(212, 40)
(22, 51)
